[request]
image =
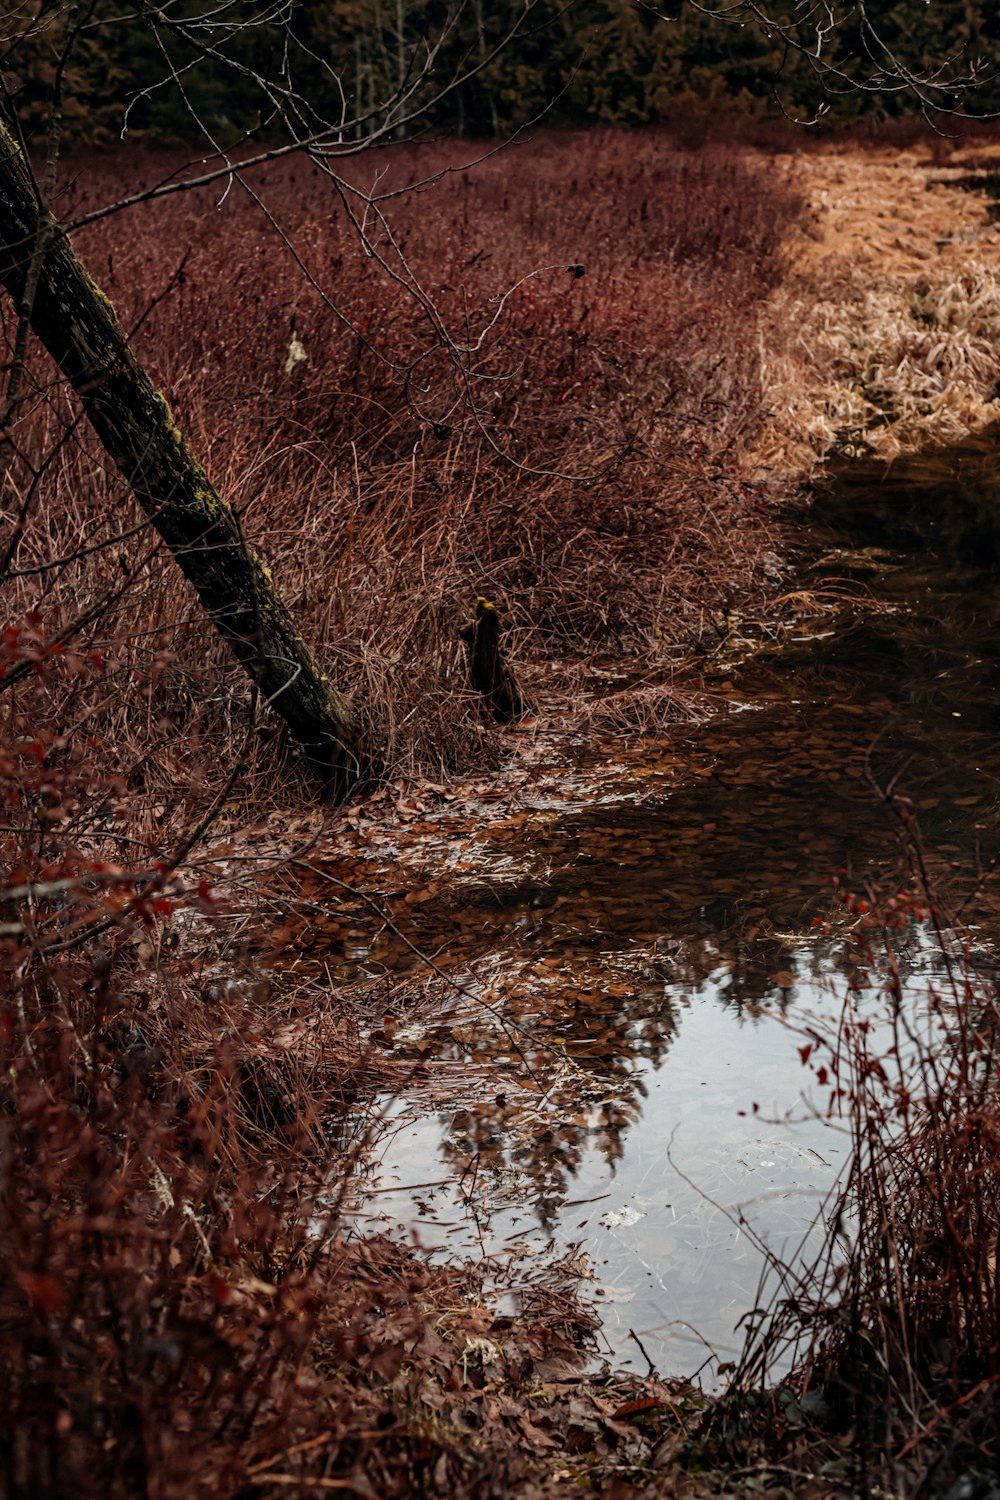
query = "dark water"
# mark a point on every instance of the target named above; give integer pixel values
(981, 180)
(655, 924)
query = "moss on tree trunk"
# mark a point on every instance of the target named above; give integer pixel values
(77, 325)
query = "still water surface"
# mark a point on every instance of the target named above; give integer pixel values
(662, 934)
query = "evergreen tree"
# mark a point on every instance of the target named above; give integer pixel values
(184, 69)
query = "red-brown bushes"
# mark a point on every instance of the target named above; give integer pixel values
(897, 1320)
(570, 447)
(184, 1309)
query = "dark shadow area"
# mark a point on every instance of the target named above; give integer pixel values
(596, 924)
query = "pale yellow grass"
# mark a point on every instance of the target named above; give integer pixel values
(894, 299)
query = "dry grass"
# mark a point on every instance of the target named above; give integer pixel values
(582, 467)
(895, 295)
(894, 367)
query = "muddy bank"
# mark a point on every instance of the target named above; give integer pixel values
(592, 978)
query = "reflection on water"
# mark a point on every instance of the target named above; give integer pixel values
(662, 932)
(729, 1143)
(660, 1226)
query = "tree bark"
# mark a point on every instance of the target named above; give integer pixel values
(78, 326)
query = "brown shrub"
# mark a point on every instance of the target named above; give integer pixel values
(578, 459)
(180, 1307)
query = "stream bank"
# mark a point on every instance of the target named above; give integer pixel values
(627, 951)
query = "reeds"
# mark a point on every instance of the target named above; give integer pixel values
(578, 461)
(895, 1323)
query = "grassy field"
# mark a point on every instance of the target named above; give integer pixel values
(538, 386)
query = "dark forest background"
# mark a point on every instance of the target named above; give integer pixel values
(179, 67)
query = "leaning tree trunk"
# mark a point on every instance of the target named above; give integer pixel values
(78, 326)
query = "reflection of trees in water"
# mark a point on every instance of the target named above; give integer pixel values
(546, 1155)
(585, 1026)
(755, 969)
(580, 1093)
(615, 1019)
(614, 1032)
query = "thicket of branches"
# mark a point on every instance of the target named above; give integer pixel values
(168, 1123)
(396, 442)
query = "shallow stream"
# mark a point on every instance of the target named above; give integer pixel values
(662, 924)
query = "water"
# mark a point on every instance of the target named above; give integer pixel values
(654, 922)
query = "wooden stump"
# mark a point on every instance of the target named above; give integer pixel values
(488, 672)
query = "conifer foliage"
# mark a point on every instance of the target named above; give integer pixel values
(169, 72)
